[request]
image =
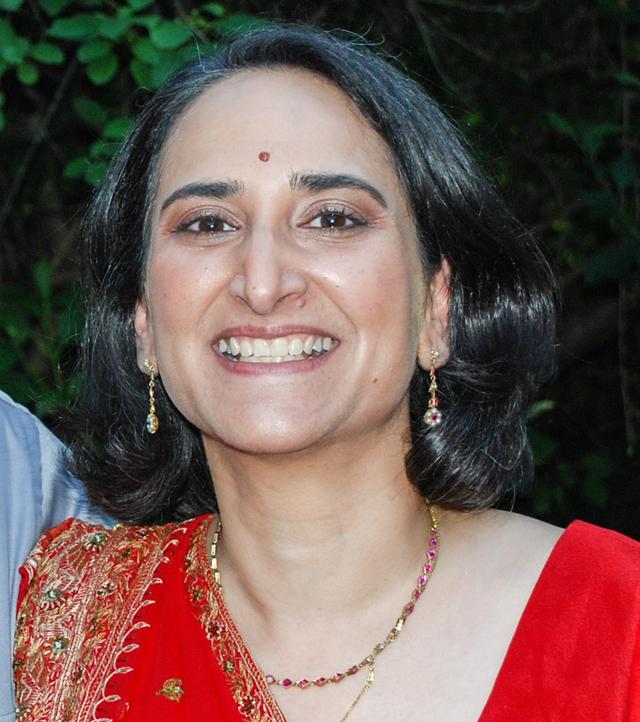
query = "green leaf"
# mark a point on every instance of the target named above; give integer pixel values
(145, 51)
(239, 23)
(560, 124)
(169, 63)
(147, 21)
(543, 446)
(76, 168)
(14, 52)
(2, 120)
(474, 118)
(102, 71)
(137, 5)
(83, 26)
(90, 111)
(95, 173)
(624, 172)
(28, 74)
(117, 129)
(42, 277)
(10, 5)
(7, 33)
(591, 136)
(101, 149)
(54, 7)
(627, 79)
(543, 406)
(215, 9)
(93, 50)
(170, 34)
(142, 74)
(1, 99)
(114, 28)
(47, 53)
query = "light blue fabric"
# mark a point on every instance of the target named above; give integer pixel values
(35, 494)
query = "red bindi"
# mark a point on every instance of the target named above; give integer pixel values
(264, 156)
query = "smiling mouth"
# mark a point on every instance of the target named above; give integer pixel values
(244, 349)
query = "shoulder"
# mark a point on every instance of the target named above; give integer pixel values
(77, 564)
(18, 424)
(597, 557)
(35, 488)
(76, 549)
(83, 586)
(580, 550)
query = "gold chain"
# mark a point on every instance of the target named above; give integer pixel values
(370, 680)
(368, 661)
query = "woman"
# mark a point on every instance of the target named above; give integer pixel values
(336, 320)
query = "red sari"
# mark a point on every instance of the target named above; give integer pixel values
(128, 624)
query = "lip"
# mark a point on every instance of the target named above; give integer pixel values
(269, 332)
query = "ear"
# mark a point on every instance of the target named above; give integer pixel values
(145, 348)
(434, 335)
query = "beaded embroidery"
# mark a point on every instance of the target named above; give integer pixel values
(86, 586)
(246, 682)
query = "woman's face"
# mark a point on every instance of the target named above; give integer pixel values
(285, 301)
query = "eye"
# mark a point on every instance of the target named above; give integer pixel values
(207, 224)
(336, 219)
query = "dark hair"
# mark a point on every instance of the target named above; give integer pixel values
(501, 295)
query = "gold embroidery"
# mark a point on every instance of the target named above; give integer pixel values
(86, 586)
(245, 680)
(172, 689)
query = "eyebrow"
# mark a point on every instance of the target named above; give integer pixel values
(217, 189)
(315, 182)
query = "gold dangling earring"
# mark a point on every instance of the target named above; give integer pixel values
(433, 415)
(152, 423)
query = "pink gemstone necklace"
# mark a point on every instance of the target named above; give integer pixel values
(369, 661)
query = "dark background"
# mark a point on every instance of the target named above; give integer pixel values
(547, 92)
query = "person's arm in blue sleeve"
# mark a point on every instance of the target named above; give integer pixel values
(35, 493)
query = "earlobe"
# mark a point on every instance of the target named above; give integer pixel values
(434, 335)
(145, 349)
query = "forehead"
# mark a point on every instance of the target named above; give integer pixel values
(303, 121)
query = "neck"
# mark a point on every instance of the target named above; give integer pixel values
(343, 527)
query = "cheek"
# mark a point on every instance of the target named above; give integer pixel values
(179, 288)
(383, 295)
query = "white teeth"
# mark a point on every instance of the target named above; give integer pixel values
(308, 345)
(291, 348)
(260, 347)
(279, 347)
(295, 347)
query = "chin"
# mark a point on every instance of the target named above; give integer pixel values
(271, 438)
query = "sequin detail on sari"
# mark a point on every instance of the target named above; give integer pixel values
(246, 682)
(86, 588)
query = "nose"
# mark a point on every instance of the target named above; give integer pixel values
(269, 276)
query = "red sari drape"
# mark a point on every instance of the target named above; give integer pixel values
(127, 624)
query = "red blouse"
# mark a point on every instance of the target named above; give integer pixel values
(128, 624)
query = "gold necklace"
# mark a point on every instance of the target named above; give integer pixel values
(369, 661)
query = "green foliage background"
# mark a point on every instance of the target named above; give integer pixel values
(547, 92)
